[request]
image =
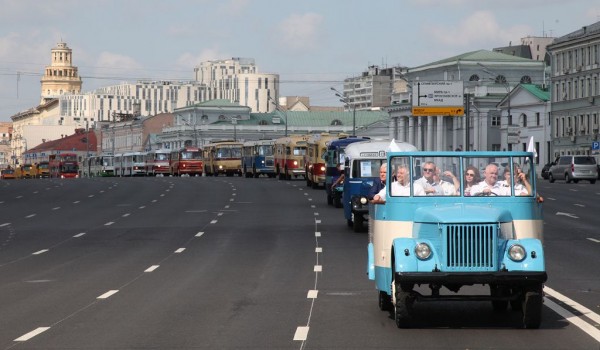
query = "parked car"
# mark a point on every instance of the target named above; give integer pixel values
(7, 174)
(574, 168)
(545, 170)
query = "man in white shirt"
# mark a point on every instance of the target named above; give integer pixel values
(490, 185)
(427, 183)
(401, 187)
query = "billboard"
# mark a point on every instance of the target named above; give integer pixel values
(442, 97)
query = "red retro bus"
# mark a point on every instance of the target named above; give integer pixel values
(289, 156)
(63, 165)
(186, 161)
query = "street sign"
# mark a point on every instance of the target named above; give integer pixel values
(427, 111)
(596, 146)
(513, 139)
(431, 95)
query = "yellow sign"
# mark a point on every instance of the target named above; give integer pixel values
(432, 111)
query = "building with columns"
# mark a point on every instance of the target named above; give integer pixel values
(487, 77)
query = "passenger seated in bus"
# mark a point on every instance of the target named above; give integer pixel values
(490, 184)
(471, 179)
(521, 185)
(427, 183)
(448, 189)
(378, 185)
(340, 180)
(400, 187)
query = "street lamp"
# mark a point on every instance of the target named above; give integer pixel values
(284, 113)
(346, 101)
(234, 122)
(507, 86)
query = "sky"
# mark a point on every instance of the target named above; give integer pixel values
(312, 44)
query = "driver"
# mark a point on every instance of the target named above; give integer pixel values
(490, 184)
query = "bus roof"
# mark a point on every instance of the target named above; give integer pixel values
(377, 149)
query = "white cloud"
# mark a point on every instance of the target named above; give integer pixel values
(300, 32)
(189, 60)
(479, 30)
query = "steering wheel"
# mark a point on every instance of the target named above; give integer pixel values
(481, 194)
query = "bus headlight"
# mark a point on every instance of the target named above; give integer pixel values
(517, 252)
(423, 251)
(364, 200)
(220, 167)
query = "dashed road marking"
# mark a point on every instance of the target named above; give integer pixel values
(79, 235)
(199, 234)
(214, 221)
(594, 240)
(126, 215)
(29, 216)
(108, 294)
(32, 334)
(318, 268)
(180, 250)
(317, 234)
(318, 250)
(301, 333)
(55, 208)
(109, 223)
(151, 268)
(40, 252)
(312, 294)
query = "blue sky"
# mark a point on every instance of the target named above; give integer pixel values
(312, 44)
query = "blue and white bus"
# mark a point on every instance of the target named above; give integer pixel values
(336, 155)
(257, 158)
(487, 240)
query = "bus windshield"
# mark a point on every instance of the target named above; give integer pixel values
(190, 155)
(228, 152)
(265, 150)
(161, 156)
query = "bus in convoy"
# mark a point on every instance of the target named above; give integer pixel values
(26, 170)
(63, 165)
(186, 161)
(314, 161)
(361, 170)
(100, 165)
(486, 240)
(157, 162)
(40, 170)
(223, 157)
(334, 160)
(289, 156)
(257, 158)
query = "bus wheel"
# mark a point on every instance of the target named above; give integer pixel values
(499, 291)
(402, 305)
(385, 301)
(357, 224)
(329, 199)
(532, 308)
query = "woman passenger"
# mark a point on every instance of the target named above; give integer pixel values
(471, 178)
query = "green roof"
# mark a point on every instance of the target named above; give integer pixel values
(218, 103)
(313, 119)
(479, 56)
(543, 95)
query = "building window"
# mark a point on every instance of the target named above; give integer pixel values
(263, 122)
(537, 118)
(500, 79)
(526, 79)
(474, 77)
(524, 119)
(336, 122)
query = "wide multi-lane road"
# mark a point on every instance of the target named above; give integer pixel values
(234, 263)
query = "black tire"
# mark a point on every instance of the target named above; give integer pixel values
(517, 304)
(329, 199)
(403, 308)
(551, 178)
(337, 202)
(349, 223)
(567, 178)
(499, 291)
(592, 181)
(532, 309)
(385, 301)
(357, 224)
(315, 185)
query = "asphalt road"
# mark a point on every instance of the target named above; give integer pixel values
(235, 263)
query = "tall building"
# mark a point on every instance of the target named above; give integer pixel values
(576, 91)
(60, 77)
(238, 80)
(370, 90)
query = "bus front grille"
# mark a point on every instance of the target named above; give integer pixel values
(471, 247)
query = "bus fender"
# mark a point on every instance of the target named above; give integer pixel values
(405, 259)
(534, 258)
(371, 262)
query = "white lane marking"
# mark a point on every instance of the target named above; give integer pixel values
(310, 199)
(567, 214)
(195, 211)
(90, 196)
(234, 194)
(313, 206)
(219, 214)
(79, 235)
(584, 326)
(29, 216)
(154, 201)
(55, 208)
(231, 200)
(180, 250)
(301, 333)
(550, 198)
(226, 207)
(32, 334)
(126, 215)
(151, 268)
(306, 194)
(19, 197)
(142, 207)
(318, 250)
(40, 252)
(109, 223)
(312, 294)
(101, 191)
(75, 202)
(162, 195)
(214, 222)
(317, 221)
(318, 268)
(316, 214)
(317, 234)
(579, 205)
(199, 234)
(5, 224)
(35, 192)
(570, 302)
(573, 190)
(594, 240)
(108, 294)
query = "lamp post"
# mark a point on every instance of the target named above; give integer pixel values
(507, 86)
(234, 122)
(284, 113)
(346, 101)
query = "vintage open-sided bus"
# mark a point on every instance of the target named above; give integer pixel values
(314, 161)
(257, 158)
(434, 232)
(186, 161)
(289, 156)
(63, 165)
(158, 162)
(223, 157)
